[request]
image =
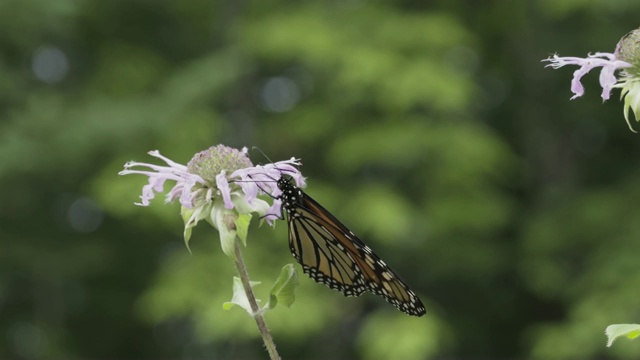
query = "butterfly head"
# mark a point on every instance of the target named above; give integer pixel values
(284, 183)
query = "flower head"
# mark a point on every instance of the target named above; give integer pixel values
(626, 58)
(220, 185)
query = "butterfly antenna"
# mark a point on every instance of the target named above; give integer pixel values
(268, 159)
(263, 190)
(269, 195)
(262, 152)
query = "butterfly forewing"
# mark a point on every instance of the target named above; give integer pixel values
(323, 261)
(331, 254)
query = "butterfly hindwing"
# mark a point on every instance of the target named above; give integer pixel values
(332, 255)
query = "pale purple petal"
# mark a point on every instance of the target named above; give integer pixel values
(186, 197)
(274, 212)
(607, 61)
(223, 186)
(263, 179)
(290, 167)
(250, 189)
(161, 171)
(285, 167)
(169, 162)
(156, 183)
(576, 86)
(175, 193)
(147, 195)
(182, 190)
(607, 80)
(557, 62)
(247, 182)
(159, 175)
(608, 56)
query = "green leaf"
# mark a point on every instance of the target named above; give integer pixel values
(240, 296)
(628, 105)
(191, 217)
(224, 220)
(284, 289)
(615, 331)
(186, 215)
(190, 221)
(242, 227)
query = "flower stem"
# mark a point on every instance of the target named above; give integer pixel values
(257, 315)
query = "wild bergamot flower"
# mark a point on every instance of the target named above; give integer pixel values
(219, 185)
(223, 187)
(625, 60)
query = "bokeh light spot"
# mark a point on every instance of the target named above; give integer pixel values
(279, 94)
(28, 340)
(49, 64)
(84, 215)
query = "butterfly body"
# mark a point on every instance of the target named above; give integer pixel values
(333, 255)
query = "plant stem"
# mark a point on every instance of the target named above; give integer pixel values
(257, 315)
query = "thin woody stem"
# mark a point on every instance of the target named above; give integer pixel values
(257, 314)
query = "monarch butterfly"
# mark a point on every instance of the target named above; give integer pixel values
(332, 255)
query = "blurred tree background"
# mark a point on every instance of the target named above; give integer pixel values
(431, 128)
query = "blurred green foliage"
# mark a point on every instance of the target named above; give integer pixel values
(430, 128)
